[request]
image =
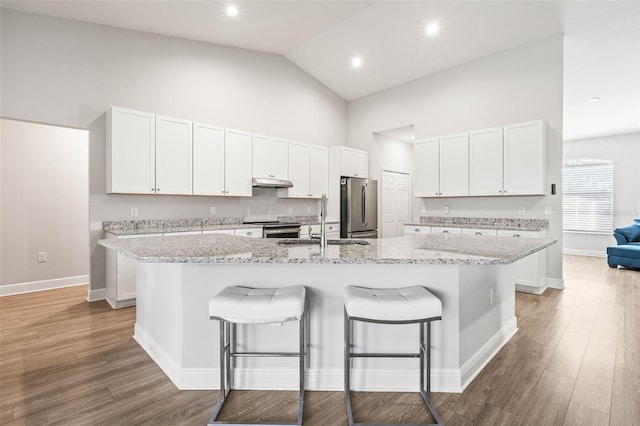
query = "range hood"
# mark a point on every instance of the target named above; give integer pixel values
(271, 183)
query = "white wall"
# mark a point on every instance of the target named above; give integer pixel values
(68, 73)
(44, 202)
(516, 85)
(624, 152)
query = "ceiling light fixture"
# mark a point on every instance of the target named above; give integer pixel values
(594, 99)
(232, 10)
(432, 28)
(356, 62)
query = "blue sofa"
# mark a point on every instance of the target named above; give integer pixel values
(627, 252)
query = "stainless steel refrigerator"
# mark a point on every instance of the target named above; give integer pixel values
(358, 208)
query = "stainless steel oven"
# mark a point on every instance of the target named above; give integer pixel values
(278, 229)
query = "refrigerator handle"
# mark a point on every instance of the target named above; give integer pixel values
(364, 203)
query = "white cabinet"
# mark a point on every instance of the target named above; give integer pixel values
(524, 158)
(248, 232)
(476, 231)
(426, 168)
(130, 151)
(333, 230)
(238, 171)
(270, 157)
(442, 166)
(416, 230)
(445, 230)
(121, 275)
(208, 160)
(454, 165)
(351, 162)
(173, 156)
(485, 162)
(308, 171)
(219, 231)
(531, 271)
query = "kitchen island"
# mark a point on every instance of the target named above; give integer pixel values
(472, 275)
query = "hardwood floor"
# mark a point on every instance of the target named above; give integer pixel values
(575, 360)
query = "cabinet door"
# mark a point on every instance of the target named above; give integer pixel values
(173, 155)
(426, 155)
(454, 165)
(238, 168)
(318, 171)
(354, 163)
(262, 156)
(208, 160)
(130, 151)
(249, 232)
(280, 158)
(299, 169)
(485, 162)
(524, 151)
(416, 230)
(445, 230)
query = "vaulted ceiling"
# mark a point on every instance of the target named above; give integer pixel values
(602, 41)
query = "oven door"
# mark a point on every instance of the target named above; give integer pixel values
(282, 232)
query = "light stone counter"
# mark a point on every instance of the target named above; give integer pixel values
(473, 276)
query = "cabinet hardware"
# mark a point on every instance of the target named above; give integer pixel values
(478, 233)
(445, 232)
(417, 230)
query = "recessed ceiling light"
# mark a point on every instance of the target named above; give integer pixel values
(232, 10)
(356, 62)
(432, 28)
(594, 99)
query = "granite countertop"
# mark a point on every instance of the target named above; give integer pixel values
(429, 249)
(483, 223)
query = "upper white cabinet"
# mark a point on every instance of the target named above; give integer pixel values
(173, 156)
(454, 165)
(427, 168)
(238, 170)
(308, 171)
(270, 157)
(485, 162)
(508, 160)
(524, 155)
(353, 162)
(208, 160)
(130, 151)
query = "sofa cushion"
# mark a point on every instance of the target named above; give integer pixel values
(631, 233)
(627, 250)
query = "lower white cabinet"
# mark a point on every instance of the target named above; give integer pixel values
(333, 230)
(220, 231)
(121, 275)
(445, 230)
(249, 232)
(416, 230)
(531, 271)
(478, 231)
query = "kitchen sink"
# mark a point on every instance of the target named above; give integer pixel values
(301, 241)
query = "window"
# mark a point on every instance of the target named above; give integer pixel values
(587, 204)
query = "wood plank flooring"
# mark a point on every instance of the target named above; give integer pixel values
(574, 361)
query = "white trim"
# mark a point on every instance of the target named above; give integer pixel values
(579, 252)
(405, 380)
(476, 363)
(557, 283)
(95, 295)
(532, 289)
(30, 287)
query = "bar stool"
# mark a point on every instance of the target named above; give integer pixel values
(243, 305)
(409, 305)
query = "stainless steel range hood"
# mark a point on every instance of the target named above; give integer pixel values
(271, 183)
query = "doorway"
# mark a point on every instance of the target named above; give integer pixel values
(395, 203)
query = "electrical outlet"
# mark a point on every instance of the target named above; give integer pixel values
(42, 256)
(547, 210)
(213, 210)
(446, 209)
(521, 210)
(491, 296)
(290, 210)
(134, 211)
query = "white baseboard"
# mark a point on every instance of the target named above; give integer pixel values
(95, 295)
(327, 379)
(530, 289)
(30, 287)
(590, 253)
(485, 354)
(557, 283)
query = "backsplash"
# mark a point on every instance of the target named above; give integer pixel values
(168, 224)
(485, 222)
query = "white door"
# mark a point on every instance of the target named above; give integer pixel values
(238, 168)
(173, 155)
(208, 159)
(426, 154)
(395, 203)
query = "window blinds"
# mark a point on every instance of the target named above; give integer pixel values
(587, 196)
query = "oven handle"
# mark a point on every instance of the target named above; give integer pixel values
(281, 231)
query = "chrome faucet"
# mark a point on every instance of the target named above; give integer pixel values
(323, 223)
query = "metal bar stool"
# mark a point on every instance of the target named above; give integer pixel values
(409, 305)
(243, 305)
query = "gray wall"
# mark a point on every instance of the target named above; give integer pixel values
(68, 73)
(44, 200)
(516, 85)
(624, 151)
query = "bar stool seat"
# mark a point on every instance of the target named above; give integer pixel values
(408, 305)
(236, 305)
